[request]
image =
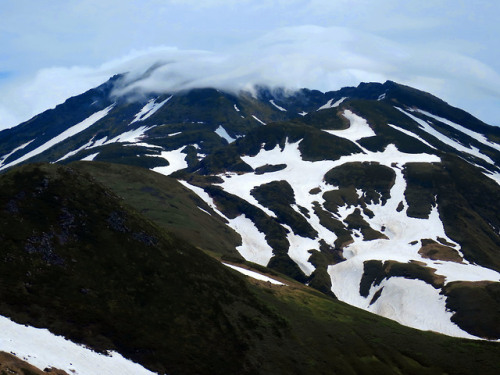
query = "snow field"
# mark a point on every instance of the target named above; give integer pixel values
(397, 300)
(43, 349)
(403, 300)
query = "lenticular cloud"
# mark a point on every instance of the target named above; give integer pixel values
(308, 56)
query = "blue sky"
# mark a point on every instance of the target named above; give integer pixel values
(53, 49)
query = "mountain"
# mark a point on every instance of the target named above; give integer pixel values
(379, 196)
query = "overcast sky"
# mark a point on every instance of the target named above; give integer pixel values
(53, 49)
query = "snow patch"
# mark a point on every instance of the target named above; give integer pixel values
(357, 129)
(176, 161)
(42, 349)
(236, 108)
(90, 157)
(221, 132)
(254, 247)
(254, 274)
(303, 113)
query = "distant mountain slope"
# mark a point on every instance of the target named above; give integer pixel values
(381, 195)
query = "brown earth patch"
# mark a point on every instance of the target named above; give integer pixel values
(10, 364)
(432, 250)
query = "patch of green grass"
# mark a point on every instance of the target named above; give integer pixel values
(476, 307)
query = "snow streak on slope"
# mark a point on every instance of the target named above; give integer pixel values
(74, 152)
(43, 349)
(477, 136)
(259, 120)
(149, 110)
(357, 129)
(450, 142)
(277, 106)
(91, 120)
(330, 105)
(253, 274)
(5, 157)
(407, 132)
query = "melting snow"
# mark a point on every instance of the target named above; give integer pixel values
(221, 132)
(358, 128)
(254, 246)
(254, 274)
(176, 161)
(236, 108)
(43, 349)
(75, 129)
(149, 110)
(277, 106)
(303, 113)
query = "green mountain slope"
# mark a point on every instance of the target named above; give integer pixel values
(79, 260)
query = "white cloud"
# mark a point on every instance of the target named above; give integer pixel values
(447, 47)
